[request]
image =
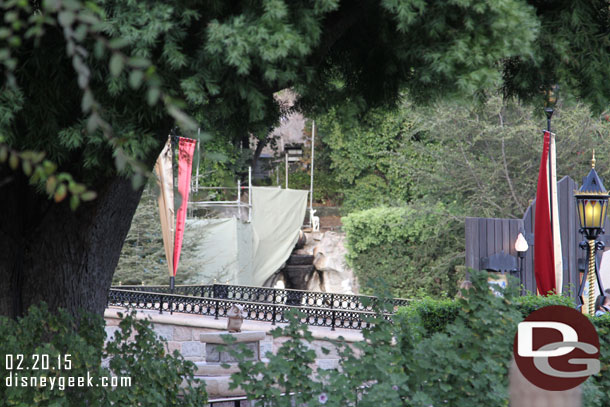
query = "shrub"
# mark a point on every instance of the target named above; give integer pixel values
(406, 247)
(433, 314)
(326, 189)
(288, 371)
(597, 389)
(156, 377)
(436, 352)
(530, 303)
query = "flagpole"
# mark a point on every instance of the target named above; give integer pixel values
(549, 113)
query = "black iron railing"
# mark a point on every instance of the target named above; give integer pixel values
(260, 304)
(313, 299)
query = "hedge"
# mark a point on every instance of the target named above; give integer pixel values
(406, 247)
(436, 314)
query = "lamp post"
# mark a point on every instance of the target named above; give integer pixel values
(549, 104)
(521, 247)
(592, 202)
(549, 108)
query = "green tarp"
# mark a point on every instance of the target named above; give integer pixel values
(230, 251)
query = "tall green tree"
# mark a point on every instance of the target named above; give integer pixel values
(98, 85)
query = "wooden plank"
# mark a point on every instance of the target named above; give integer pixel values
(528, 219)
(491, 245)
(564, 220)
(476, 249)
(482, 241)
(511, 230)
(573, 241)
(498, 243)
(508, 245)
(469, 238)
(514, 226)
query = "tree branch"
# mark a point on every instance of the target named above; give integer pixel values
(510, 183)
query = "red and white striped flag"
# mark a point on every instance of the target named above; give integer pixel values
(548, 263)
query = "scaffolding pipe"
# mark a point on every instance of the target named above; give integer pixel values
(198, 158)
(286, 154)
(249, 194)
(214, 202)
(313, 143)
(222, 187)
(229, 204)
(239, 198)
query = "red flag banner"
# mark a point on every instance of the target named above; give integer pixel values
(544, 258)
(186, 148)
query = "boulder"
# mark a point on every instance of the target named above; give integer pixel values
(329, 258)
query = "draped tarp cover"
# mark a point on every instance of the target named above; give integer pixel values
(277, 217)
(219, 250)
(165, 181)
(247, 253)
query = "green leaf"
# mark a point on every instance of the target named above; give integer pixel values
(76, 188)
(87, 101)
(27, 167)
(74, 202)
(49, 167)
(13, 161)
(138, 62)
(50, 5)
(116, 64)
(88, 196)
(137, 180)
(66, 18)
(135, 78)
(153, 95)
(118, 43)
(60, 193)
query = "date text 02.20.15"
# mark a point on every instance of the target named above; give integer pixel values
(37, 362)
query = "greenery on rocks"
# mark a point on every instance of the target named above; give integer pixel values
(133, 351)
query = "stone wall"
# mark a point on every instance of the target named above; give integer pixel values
(183, 333)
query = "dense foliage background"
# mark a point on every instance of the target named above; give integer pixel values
(410, 177)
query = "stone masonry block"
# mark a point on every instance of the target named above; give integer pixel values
(246, 336)
(225, 357)
(110, 330)
(211, 353)
(112, 321)
(265, 347)
(318, 345)
(327, 364)
(172, 346)
(165, 332)
(192, 349)
(183, 333)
